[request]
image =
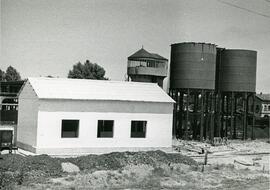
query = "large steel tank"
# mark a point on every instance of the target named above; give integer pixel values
(237, 70)
(193, 65)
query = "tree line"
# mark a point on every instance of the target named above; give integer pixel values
(87, 70)
(11, 74)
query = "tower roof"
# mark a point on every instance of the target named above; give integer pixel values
(142, 53)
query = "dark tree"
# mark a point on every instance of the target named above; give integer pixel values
(12, 74)
(87, 70)
(2, 75)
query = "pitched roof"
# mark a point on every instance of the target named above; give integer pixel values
(142, 53)
(85, 89)
(264, 96)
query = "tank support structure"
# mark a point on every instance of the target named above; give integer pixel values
(204, 114)
(194, 113)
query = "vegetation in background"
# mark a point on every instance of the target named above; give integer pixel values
(87, 70)
(11, 74)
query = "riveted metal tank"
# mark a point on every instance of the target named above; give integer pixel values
(193, 65)
(237, 70)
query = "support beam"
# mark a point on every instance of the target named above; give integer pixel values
(174, 114)
(222, 115)
(232, 115)
(195, 108)
(206, 123)
(177, 113)
(245, 116)
(212, 116)
(187, 114)
(219, 116)
(253, 116)
(202, 115)
(180, 115)
(227, 115)
(235, 118)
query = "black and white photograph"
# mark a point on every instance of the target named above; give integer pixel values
(135, 94)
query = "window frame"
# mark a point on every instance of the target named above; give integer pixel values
(77, 131)
(144, 129)
(103, 126)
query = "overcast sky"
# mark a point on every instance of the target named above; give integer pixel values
(46, 37)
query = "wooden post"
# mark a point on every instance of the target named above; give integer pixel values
(253, 116)
(205, 157)
(206, 123)
(227, 115)
(212, 116)
(177, 113)
(174, 112)
(234, 123)
(245, 116)
(187, 115)
(181, 104)
(232, 115)
(195, 108)
(202, 115)
(219, 98)
(222, 115)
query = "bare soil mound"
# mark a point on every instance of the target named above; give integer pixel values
(17, 170)
(118, 160)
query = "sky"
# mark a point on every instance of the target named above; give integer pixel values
(47, 37)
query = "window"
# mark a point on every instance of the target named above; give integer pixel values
(138, 129)
(70, 128)
(105, 128)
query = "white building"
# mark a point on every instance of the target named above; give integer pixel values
(70, 116)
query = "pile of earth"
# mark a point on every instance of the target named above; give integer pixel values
(17, 170)
(118, 160)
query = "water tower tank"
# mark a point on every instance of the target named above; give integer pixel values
(237, 70)
(193, 65)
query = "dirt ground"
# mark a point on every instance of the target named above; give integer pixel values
(234, 165)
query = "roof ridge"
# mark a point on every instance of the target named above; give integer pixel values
(94, 80)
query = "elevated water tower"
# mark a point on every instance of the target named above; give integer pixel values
(192, 86)
(147, 67)
(237, 89)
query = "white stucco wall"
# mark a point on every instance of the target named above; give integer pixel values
(158, 135)
(27, 118)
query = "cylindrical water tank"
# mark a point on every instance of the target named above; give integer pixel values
(237, 70)
(193, 65)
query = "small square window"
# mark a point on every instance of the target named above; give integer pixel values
(105, 128)
(70, 128)
(138, 129)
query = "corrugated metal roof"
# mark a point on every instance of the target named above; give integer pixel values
(84, 89)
